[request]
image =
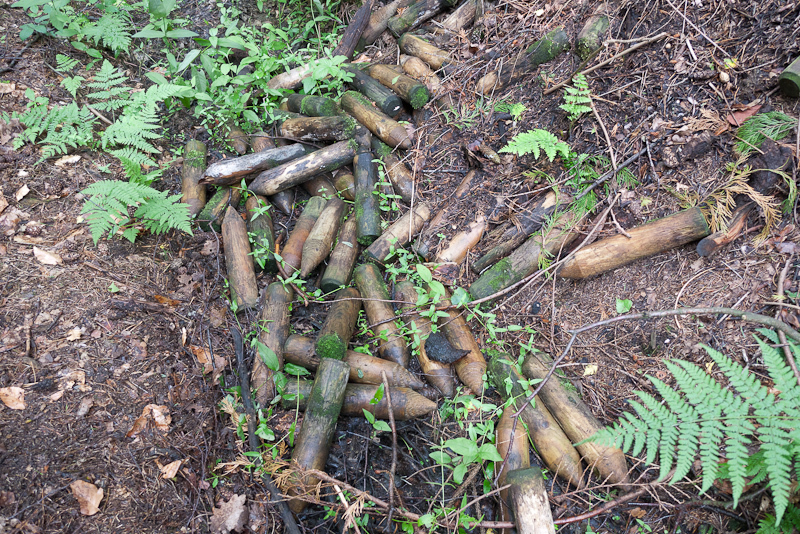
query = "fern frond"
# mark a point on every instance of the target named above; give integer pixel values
(65, 63)
(536, 141)
(577, 99)
(163, 213)
(111, 91)
(112, 31)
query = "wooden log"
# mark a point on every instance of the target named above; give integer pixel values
(352, 35)
(462, 17)
(236, 137)
(283, 201)
(260, 140)
(319, 423)
(390, 131)
(525, 260)
(590, 38)
(320, 186)
(711, 244)
(340, 322)
(214, 210)
(262, 233)
(300, 170)
(449, 260)
(238, 261)
(400, 177)
(292, 252)
(415, 14)
(577, 421)
(528, 499)
(552, 445)
(379, 20)
(194, 164)
(419, 70)
(367, 210)
(230, 171)
(516, 455)
(343, 258)
(318, 244)
(391, 343)
(364, 368)
(316, 129)
(385, 99)
(406, 403)
(430, 54)
(789, 80)
(345, 184)
(406, 87)
(399, 233)
(470, 368)
(292, 79)
(439, 375)
(313, 106)
(273, 329)
(646, 240)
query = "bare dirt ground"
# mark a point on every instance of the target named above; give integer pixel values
(105, 332)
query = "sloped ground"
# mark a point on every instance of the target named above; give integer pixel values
(95, 339)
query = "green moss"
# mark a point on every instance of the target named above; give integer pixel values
(380, 149)
(331, 346)
(500, 276)
(548, 47)
(195, 158)
(419, 96)
(350, 126)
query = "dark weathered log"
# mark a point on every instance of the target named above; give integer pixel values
(320, 186)
(643, 241)
(320, 240)
(367, 210)
(789, 80)
(515, 454)
(406, 87)
(194, 164)
(238, 261)
(261, 141)
(528, 499)
(313, 106)
(298, 171)
(389, 130)
(315, 436)
(236, 137)
(406, 403)
(364, 368)
(345, 184)
(462, 17)
(470, 368)
(711, 244)
(292, 252)
(386, 100)
(273, 329)
(439, 375)
(262, 233)
(214, 210)
(230, 171)
(352, 35)
(343, 258)
(552, 445)
(315, 129)
(283, 201)
(415, 14)
(379, 20)
(391, 343)
(291, 79)
(590, 38)
(526, 259)
(433, 56)
(577, 421)
(399, 233)
(340, 322)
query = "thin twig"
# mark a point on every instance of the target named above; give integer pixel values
(605, 133)
(299, 291)
(393, 468)
(348, 518)
(781, 336)
(620, 228)
(698, 30)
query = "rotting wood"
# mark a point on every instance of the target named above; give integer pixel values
(470, 368)
(262, 233)
(354, 31)
(528, 498)
(273, 329)
(430, 54)
(415, 14)
(462, 17)
(590, 38)
(318, 244)
(406, 87)
(194, 164)
(343, 258)
(512, 445)
(379, 20)
(399, 233)
(230, 171)
(340, 322)
(316, 129)
(390, 131)
(213, 212)
(238, 261)
(385, 99)
(292, 252)
(312, 105)
(367, 209)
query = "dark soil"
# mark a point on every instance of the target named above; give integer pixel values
(117, 327)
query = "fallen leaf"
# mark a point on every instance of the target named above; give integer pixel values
(637, 513)
(74, 334)
(6, 88)
(209, 248)
(590, 369)
(47, 258)
(13, 397)
(138, 349)
(159, 415)
(9, 221)
(85, 406)
(88, 495)
(204, 359)
(7, 498)
(787, 247)
(166, 301)
(231, 516)
(171, 469)
(28, 240)
(21, 192)
(65, 160)
(737, 118)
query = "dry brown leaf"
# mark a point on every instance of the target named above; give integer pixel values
(231, 516)
(13, 397)
(171, 469)
(74, 334)
(47, 258)
(6, 88)
(204, 358)
(21, 192)
(737, 118)
(85, 406)
(166, 301)
(159, 415)
(66, 160)
(7, 498)
(88, 495)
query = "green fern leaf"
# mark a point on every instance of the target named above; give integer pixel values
(536, 141)
(112, 31)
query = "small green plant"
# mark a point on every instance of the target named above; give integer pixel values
(161, 26)
(535, 142)
(515, 110)
(577, 99)
(773, 125)
(624, 305)
(377, 425)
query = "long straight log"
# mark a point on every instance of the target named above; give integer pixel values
(343, 258)
(515, 453)
(399, 233)
(292, 79)
(320, 239)
(364, 368)
(273, 329)
(386, 100)
(390, 131)
(392, 345)
(643, 241)
(528, 497)
(300, 170)
(379, 20)
(316, 129)
(339, 324)
(230, 171)
(401, 178)
(262, 233)
(406, 403)
(415, 14)
(214, 211)
(470, 368)
(238, 261)
(292, 252)
(194, 164)
(367, 211)
(352, 35)
(462, 17)
(313, 106)
(430, 54)
(406, 87)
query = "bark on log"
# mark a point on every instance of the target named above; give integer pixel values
(390, 131)
(343, 258)
(646, 240)
(399, 233)
(352, 35)
(214, 210)
(291, 79)
(367, 210)
(260, 141)
(339, 324)
(515, 454)
(415, 14)
(385, 99)
(194, 164)
(283, 201)
(292, 252)
(430, 54)
(391, 343)
(590, 38)
(273, 325)
(400, 177)
(236, 138)
(318, 244)
(379, 20)
(462, 17)
(298, 171)
(238, 261)
(528, 497)
(471, 368)
(320, 186)
(345, 184)
(316, 129)
(230, 171)
(406, 403)
(313, 106)
(262, 232)
(364, 368)
(406, 87)
(789, 80)
(450, 259)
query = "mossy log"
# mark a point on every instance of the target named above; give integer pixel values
(415, 14)
(230, 171)
(789, 80)
(590, 38)
(292, 252)
(552, 445)
(643, 241)
(319, 423)
(283, 201)
(340, 322)
(406, 403)
(526, 259)
(320, 186)
(298, 171)
(515, 453)
(273, 329)
(291, 79)
(367, 210)
(528, 498)
(390, 131)
(260, 140)
(343, 258)
(419, 70)
(236, 138)
(238, 261)
(194, 164)
(262, 233)
(430, 54)
(385, 99)
(345, 184)
(316, 129)
(577, 421)
(470, 368)
(364, 368)
(318, 244)
(399, 233)
(313, 106)
(406, 87)
(214, 210)
(438, 374)
(379, 20)
(391, 343)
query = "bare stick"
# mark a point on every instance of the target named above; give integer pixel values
(781, 336)
(605, 133)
